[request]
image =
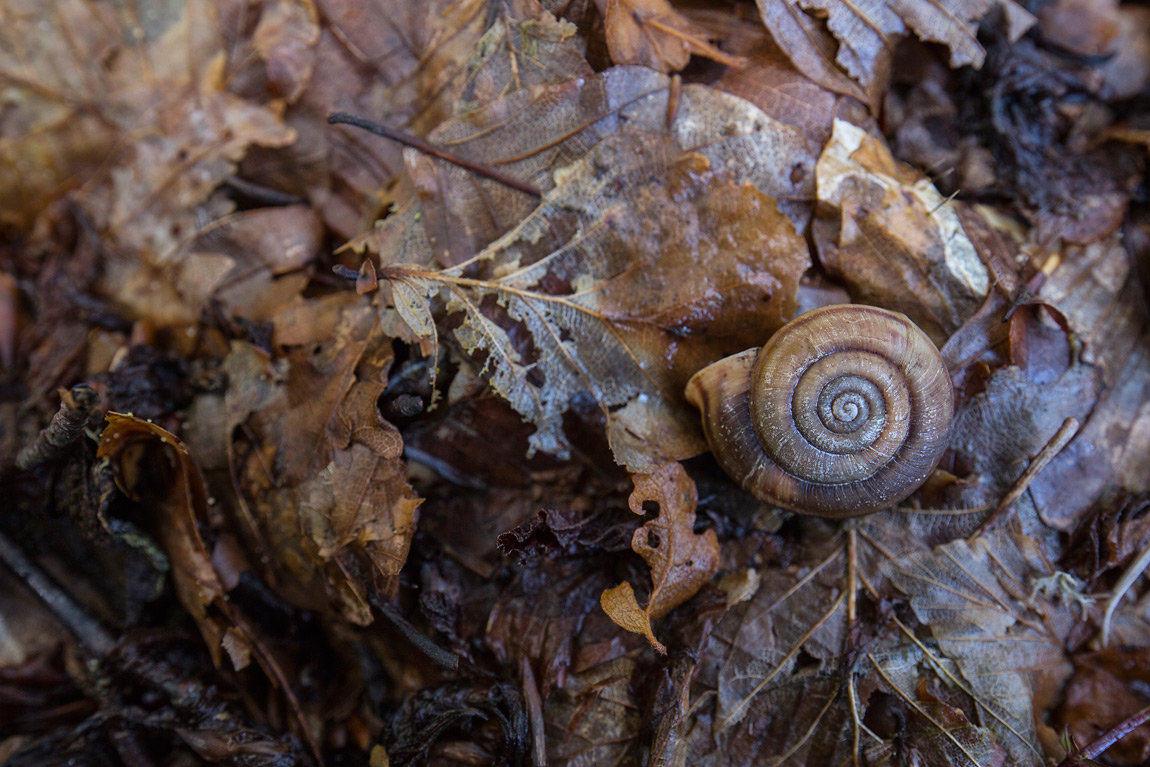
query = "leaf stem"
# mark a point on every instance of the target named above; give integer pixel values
(342, 118)
(1052, 448)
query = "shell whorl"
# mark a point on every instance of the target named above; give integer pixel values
(845, 411)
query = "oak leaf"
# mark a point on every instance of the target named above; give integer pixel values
(681, 561)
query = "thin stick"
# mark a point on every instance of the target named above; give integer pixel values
(1060, 439)
(1107, 739)
(76, 407)
(534, 705)
(84, 627)
(443, 658)
(342, 118)
(1129, 577)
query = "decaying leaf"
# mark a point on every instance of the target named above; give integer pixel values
(612, 302)
(894, 239)
(534, 132)
(681, 561)
(318, 464)
(979, 599)
(864, 34)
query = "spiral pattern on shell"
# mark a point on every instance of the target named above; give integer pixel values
(845, 411)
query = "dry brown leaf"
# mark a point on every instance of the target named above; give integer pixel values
(535, 132)
(893, 238)
(651, 33)
(285, 38)
(145, 138)
(791, 686)
(865, 35)
(596, 716)
(1095, 289)
(319, 467)
(614, 302)
(770, 81)
(982, 602)
(1101, 694)
(133, 445)
(411, 66)
(681, 561)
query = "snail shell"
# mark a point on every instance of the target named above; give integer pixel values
(844, 412)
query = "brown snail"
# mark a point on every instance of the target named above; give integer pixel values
(845, 411)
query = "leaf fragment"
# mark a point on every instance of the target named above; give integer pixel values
(653, 34)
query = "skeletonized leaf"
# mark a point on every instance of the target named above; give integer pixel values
(609, 285)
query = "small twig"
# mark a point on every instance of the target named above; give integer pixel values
(84, 627)
(949, 198)
(265, 195)
(1129, 577)
(1060, 439)
(534, 705)
(342, 118)
(1106, 740)
(76, 407)
(443, 658)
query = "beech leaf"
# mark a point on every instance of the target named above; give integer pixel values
(612, 301)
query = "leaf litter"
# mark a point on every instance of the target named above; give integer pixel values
(329, 467)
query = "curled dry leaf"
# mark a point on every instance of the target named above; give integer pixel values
(138, 451)
(587, 296)
(651, 33)
(892, 237)
(681, 561)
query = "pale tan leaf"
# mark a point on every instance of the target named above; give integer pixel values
(892, 237)
(621, 606)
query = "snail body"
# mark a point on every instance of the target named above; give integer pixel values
(845, 411)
